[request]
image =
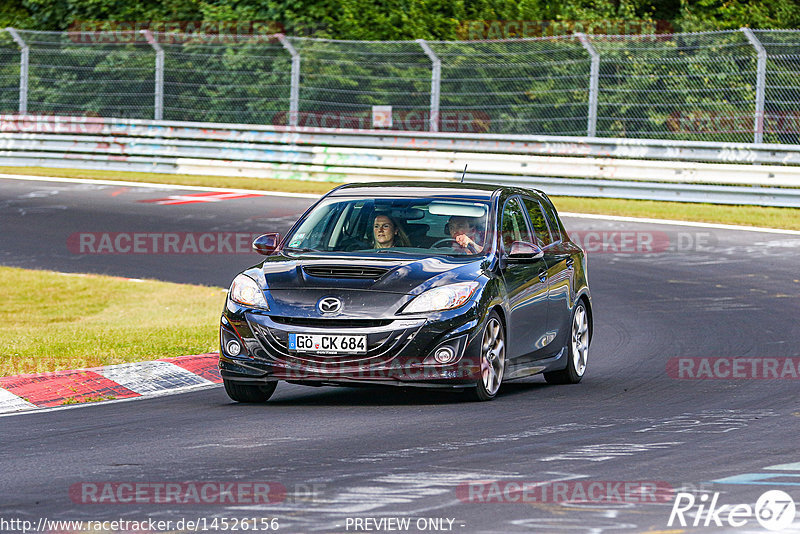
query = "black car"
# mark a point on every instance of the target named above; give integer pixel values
(446, 285)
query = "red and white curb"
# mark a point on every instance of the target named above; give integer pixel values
(124, 381)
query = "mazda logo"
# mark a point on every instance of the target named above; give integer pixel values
(330, 305)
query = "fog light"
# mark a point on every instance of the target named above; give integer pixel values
(444, 355)
(233, 348)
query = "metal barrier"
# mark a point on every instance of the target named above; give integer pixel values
(688, 171)
(731, 86)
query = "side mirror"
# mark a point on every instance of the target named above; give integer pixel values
(266, 243)
(523, 250)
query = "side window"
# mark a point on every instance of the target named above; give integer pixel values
(315, 232)
(538, 222)
(552, 219)
(514, 227)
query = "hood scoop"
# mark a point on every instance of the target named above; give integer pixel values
(344, 271)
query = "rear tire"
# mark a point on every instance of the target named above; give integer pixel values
(577, 349)
(249, 393)
(493, 360)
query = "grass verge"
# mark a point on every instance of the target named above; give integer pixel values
(787, 218)
(263, 184)
(53, 321)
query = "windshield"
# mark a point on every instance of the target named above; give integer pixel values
(414, 226)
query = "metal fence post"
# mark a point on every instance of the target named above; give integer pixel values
(158, 114)
(23, 69)
(294, 91)
(436, 83)
(594, 84)
(761, 75)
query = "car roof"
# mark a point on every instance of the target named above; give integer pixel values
(424, 189)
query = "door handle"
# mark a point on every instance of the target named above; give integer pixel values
(542, 276)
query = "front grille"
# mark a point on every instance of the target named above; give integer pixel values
(382, 347)
(331, 323)
(345, 271)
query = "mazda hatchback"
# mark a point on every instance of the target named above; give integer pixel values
(442, 285)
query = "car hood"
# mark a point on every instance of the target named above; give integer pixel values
(403, 275)
(294, 286)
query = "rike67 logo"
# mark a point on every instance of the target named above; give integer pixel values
(774, 510)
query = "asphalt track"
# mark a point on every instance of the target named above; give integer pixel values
(345, 454)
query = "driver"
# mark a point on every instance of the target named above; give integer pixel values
(464, 231)
(386, 233)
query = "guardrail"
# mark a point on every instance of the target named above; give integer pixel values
(688, 171)
(730, 86)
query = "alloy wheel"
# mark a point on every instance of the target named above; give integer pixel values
(493, 356)
(580, 340)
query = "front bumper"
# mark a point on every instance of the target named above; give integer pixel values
(399, 349)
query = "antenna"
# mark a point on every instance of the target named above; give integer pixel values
(463, 173)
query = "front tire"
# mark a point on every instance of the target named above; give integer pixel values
(577, 349)
(249, 393)
(493, 359)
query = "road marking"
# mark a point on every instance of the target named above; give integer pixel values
(10, 402)
(207, 196)
(759, 479)
(475, 442)
(149, 377)
(606, 451)
(79, 385)
(173, 187)
(166, 393)
(679, 223)
(710, 422)
(785, 467)
(150, 185)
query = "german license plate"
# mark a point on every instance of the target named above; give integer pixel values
(331, 344)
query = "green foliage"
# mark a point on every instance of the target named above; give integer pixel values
(664, 87)
(14, 14)
(403, 19)
(703, 15)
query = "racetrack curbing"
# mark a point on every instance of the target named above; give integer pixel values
(110, 382)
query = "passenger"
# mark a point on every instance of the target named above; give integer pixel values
(464, 231)
(386, 232)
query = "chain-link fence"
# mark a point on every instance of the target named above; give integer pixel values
(741, 86)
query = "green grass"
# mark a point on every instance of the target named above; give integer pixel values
(264, 184)
(52, 321)
(788, 218)
(67, 402)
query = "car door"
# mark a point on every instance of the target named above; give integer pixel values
(526, 286)
(559, 272)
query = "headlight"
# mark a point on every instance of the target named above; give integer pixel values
(442, 298)
(245, 290)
